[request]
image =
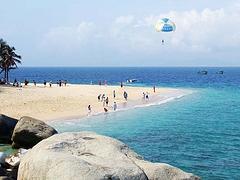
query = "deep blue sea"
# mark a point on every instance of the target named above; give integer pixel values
(199, 133)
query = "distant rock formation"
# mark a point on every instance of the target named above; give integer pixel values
(86, 155)
(7, 125)
(29, 131)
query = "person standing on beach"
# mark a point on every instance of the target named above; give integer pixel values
(99, 97)
(154, 89)
(89, 109)
(14, 83)
(103, 97)
(114, 94)
(50, 83)
(125, 95)
(107, 101)
(147, 96)
(121, 84)
(34, 82)
(144, 95)
(114, 106)
(45, 83)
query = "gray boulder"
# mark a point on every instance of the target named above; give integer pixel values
(29, 131)
(7, 125)
(3, 155)
(5, 178)
(2, 172)
(86, 155)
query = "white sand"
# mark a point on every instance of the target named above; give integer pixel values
(69, 102)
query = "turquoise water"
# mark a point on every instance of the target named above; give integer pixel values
(198, 133)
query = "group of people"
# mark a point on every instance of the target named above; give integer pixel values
(105, 100)
(26, 82)
(101, 83)
(17, 83)
(62, 83)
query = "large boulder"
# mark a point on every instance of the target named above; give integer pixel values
(7, 125)
(29, 131)
(2, 172)
(5, 178)
(86, 155)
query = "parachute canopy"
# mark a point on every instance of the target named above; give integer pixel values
(165, 25)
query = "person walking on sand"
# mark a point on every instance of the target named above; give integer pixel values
(99, 97)
(125, 95)
(114, 106)
(103, 97)
(121, 84)
(114, 94)
(154, 89)
(107, 101)
(144, 95)
(89, 109)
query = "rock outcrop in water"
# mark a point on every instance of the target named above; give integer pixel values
(29, 131)
(87, 155)
(7, 125)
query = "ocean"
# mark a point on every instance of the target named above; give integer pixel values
(199, 133)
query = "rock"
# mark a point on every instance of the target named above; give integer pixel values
(7, 126)
(86, 155)
(5, 178)
(2, 157)
(14, 159)
(159, 171)
(2, 172)
(29, 131)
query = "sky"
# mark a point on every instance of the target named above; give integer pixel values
(122, 33)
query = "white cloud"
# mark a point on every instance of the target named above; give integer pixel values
(198, 33)
(124, 19)
(69, 37)
(204, 31)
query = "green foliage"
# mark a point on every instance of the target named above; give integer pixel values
(8, 59)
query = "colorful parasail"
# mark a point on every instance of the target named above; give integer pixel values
(165, 25)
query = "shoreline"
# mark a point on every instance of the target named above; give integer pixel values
(155, 101)
(70, 102)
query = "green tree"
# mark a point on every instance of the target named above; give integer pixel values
(8, 59)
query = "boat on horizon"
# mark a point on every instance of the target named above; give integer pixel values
(204, 72)
(131, 80)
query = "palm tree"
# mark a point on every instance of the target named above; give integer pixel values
(8, 59)
(3, 45)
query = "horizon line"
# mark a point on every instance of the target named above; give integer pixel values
(129, 67)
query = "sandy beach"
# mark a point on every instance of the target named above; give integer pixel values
(72, 101)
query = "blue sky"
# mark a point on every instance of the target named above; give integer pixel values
(121, 33)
